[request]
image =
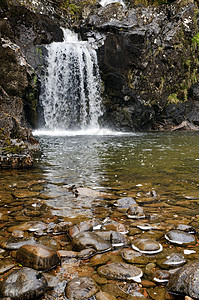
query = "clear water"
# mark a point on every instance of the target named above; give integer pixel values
(164, 164)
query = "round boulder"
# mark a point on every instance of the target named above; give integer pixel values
(38, 257)
(81, 288)
(26, 284)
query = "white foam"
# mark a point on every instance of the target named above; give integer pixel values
(83, 132)
(106, 2)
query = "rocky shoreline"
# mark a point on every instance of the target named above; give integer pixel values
(131, 254)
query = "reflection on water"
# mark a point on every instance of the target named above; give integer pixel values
(166, 163)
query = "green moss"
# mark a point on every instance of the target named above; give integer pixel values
(173, 99)
(74, 8)
(195, 39)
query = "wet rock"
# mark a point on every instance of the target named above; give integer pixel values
(174, 260)
(124, 203)
(49, 242)
(6, 265)
(67, 254)
(115, 238)
(186, 228)
(147, 246)
(104, 296)
(90, 239)
(86, 253)
(135, 295)
(28, 226)
(82, 227)
(134, 257)
(38, 257)
(186, 280)
(111, 225)
(179, 237)
(100, 259)
(135, 212)
(62, 227)
(13, 243)
(23, 284)
(121, 271)
(81, 288)
(161, 276)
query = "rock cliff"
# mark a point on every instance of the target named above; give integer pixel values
(149, 61)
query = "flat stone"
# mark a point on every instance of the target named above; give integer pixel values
(147, 246)
(123, 204)
(180, 237)
(90, 239)
(115, 238)
(111, 225)
(81, 288)
(186, 280)
(134, 257)
(38, 257)
(23, 284)
(120, 271)
(15, 243)
(173, 260)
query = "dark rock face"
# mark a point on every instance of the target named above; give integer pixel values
(186, 280)
(148, 60)
(23, 284)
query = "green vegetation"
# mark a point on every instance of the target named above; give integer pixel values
(74, 8)
(195, 39)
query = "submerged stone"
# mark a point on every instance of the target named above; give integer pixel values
(174, 260)
(111, 225)
(186, 280)
(38, 257)
(104, 296)
(134, 257)
(161, 276)
(115, 238)
(121, 271)
(81, 288)
(135, 212)
(147, 246)
(180, 237)
(124, 203)
(90, 239)
(26, 284)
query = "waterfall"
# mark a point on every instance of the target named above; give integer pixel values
(106, 2)
(71, 87)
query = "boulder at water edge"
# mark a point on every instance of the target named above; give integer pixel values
(81, 288)
(186, 280)
(38, 257)
(26, 284)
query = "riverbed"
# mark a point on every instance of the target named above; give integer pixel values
(79, 177)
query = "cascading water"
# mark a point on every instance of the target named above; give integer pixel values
(70, 93)
(107, 2)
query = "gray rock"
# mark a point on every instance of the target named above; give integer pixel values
(124, 203)
(173, 260)
(121, 271)
(90, 239)
(180, 237)
(135, 212)
(81, 288)
(186, 280)
(23, 284)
